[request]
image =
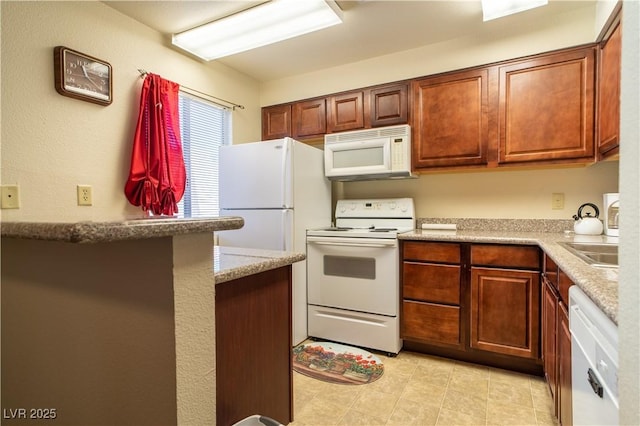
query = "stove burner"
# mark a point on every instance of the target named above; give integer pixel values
(384, 229)
(338, 228)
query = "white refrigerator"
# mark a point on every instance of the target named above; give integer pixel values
(278, 187)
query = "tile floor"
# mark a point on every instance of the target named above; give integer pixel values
(419, 389)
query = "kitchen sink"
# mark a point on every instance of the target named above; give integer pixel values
(595, 254)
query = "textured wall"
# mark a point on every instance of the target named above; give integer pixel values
(51, 143)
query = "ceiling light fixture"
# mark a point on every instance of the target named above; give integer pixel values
(258, 26)
(493, 9)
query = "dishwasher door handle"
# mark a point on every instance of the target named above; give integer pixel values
(595, 383)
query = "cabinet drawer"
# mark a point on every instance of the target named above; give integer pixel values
(431, 322)
(432, 252)
(431, 283)
(505, 256)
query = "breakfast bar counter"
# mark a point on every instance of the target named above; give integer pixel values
(232, 263)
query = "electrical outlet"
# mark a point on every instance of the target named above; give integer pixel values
(557, 201)
(10, 197)
(85, 197)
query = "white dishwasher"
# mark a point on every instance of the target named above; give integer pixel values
(594, 362)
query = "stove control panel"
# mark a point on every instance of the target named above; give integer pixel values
(379, 208)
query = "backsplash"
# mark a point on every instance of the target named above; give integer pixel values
(520, 225)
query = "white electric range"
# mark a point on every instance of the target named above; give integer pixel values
(353, 274)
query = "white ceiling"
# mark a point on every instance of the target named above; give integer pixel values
(371, 28)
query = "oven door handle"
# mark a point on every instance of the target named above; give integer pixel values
(358, 244)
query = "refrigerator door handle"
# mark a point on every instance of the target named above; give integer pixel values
(287, 230)
(285, 169)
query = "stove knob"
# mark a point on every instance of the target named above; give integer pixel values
(404, 207)
(343, 208)
(392, 205)
(352, 206)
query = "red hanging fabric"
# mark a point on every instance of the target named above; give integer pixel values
(157, 174)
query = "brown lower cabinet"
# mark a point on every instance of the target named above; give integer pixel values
(556, 339)
(253, 347)
(565, 407)
(474, 302)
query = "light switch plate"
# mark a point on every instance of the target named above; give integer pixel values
(10, 197)
(557, 201)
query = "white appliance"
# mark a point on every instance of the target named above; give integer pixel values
(611, 207)
(279, 189)
(594, 362)
(353, 274)
(380, 153)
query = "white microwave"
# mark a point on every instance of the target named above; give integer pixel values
(381, 153)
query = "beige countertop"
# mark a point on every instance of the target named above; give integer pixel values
(98, 232)
(600, 284)
(231, 263)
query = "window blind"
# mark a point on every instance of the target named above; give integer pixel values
(204, 127)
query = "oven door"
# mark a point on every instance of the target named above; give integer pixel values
(358, 274)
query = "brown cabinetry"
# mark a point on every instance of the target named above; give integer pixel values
(546, 107)
(276, 122)
(311, 119)
(549, 318)
(253, 347)
(565, 406)
(538, 109)
(609, 65)
(450, 119)
(477, 302)
(556, 338)
(345, 112)
(388, 105)
(431, 275)
(505, 302)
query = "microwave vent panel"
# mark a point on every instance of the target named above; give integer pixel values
(402, 130)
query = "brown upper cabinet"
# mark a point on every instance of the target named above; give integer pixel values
(546, 107)
(276, 122)
(311, 119)
(388, 105)
(346, 112)
(609, 64)
(450, 119)
(559, 107)
(536, 109)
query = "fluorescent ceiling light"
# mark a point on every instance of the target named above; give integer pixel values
(492, 9)
(264, 24)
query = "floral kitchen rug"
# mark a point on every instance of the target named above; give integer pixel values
(336, 363)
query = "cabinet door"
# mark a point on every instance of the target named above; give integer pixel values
(610, 55)
(450, 120)
(253, 347)
(546, 107)
(549, 336)
(565, 406)
(505, 308)
(388, 105)
(276, 122)
(345, 112)
(309, 119)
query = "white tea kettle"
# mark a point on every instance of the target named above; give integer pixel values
(587, 225)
